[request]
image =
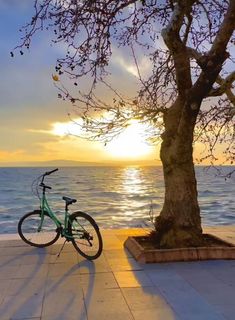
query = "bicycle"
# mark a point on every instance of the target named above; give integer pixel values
(41, 228)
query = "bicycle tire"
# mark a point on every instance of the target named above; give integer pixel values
(28, 225)
(86, 227)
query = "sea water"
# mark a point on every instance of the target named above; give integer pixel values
(117, 197)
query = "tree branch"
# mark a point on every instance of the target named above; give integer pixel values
(216, 56)
(171, 37)
(197, 56)
(188, 26)
(225, 85)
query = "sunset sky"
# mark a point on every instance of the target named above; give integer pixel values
(33, 118)
(34, 122)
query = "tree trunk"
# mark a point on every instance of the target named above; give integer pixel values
(179, 223)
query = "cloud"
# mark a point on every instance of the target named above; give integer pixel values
(10, 155)
(124, 59)
(62, 129)
(73, 148)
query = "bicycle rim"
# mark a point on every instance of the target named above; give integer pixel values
(28, 229)
(86, 239)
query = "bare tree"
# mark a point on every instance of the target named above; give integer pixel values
(188, 96)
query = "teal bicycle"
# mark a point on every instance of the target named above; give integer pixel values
(41, 228)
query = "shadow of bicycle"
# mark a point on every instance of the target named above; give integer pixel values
(35, 289)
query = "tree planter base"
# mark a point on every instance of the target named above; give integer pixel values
(140, 249)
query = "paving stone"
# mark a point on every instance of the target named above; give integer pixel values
(63, 269)
(69, 283)
(117, 254)
(212, 286)
(12, 243)
(35, 259)
(100, 259)
(79, 316)
(124, 264)
(26, 287)
(14, 251)
(199, 277)
(31, 318)
(95, 266)
(32, 271)
(132, 279)
(198, 314)
(64, 257)
(4, 285)
(98, 281)
(224, 272)
(195, 266)
(21, 306)
(7, 261)
(145, 298)
(111, 242)
(68, 247)
(183, 298)
(107, 304)
(8, 272)
(154, 314)
(217, 294)
(228, 311)
(63, 305)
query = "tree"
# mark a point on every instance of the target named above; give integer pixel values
(190, 46)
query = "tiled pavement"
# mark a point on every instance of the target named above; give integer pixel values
(35, 284)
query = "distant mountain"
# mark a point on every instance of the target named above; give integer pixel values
(72, 163)
(51, 163)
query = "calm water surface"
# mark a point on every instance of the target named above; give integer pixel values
(117, 197)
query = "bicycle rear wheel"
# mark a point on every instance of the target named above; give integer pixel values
(86, 236)
(29, 233)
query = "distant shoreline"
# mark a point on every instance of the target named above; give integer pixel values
(84, 166)
(61, 163)
(121, 164)
(69, 163)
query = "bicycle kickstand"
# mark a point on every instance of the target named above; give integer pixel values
(61, 248)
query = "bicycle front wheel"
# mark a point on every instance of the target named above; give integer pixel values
(30, 232)
(86, 236)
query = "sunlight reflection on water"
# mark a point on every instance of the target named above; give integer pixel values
(131, 180)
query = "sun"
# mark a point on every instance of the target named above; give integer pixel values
(131, 143)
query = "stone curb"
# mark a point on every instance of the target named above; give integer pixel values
(143, 255)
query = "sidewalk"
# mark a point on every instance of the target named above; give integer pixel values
(35, 284)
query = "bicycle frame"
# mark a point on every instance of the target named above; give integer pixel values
(63, 226)
(44, 206)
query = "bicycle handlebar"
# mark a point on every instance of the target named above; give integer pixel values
(39, 182)
(46, 174)
(50, 172)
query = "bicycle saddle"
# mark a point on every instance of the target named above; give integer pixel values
(69, 201)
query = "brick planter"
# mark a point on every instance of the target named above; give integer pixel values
(224, 250)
